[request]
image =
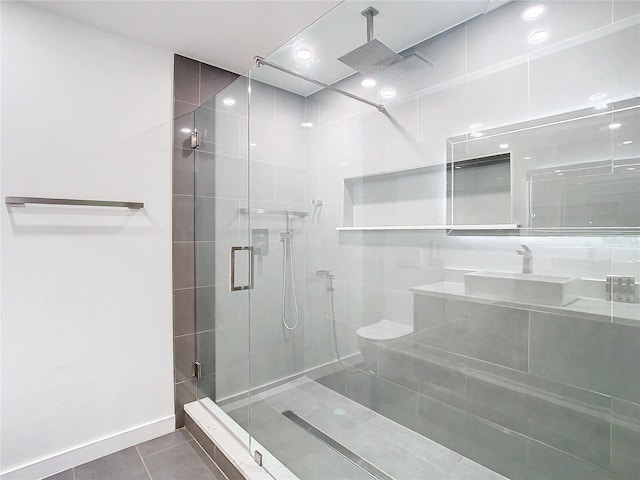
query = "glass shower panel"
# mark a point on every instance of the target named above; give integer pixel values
(222, 255)
(379, 340)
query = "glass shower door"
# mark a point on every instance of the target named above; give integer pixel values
(223, 260)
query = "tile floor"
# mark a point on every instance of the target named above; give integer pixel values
(176, 456)
(396, 450)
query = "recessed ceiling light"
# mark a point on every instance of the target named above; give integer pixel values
(532, 13)
(527, 158)
(229, 102)
(560, 174)
(538, 36)
(186, 130)
(476, 134)
(602, 106)
(614, 126)
(458, 167)
(597, 96)
(304, 54)
(556, 171)
(368, 82)
(306, 124)
(627, 142)
(631, 168)
(388, 92)
(504, 145)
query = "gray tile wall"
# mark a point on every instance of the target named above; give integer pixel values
(555, 384)
(194, 84)
(575, 392)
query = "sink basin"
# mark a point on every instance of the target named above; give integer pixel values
(523, 287)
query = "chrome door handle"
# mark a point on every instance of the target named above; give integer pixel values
(232, 270)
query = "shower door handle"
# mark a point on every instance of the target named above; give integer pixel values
(232, 270)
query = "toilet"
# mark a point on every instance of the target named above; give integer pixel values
(370, 336)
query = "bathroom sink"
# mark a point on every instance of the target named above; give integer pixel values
(523, 287)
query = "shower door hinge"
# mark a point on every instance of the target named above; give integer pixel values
(195, 140)
(257, 456)
(197, 369)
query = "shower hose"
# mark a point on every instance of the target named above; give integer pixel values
(286, 241)
(348, 368)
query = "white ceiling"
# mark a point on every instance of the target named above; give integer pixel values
(228, 34)
(399, 24)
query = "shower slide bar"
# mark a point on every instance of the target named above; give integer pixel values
(261, 61)
(21, 201)
(262, 211)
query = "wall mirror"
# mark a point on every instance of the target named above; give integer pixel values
(573, 172)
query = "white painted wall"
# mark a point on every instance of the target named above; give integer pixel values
(86, 292)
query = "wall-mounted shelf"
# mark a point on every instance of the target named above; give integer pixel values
(22, 201)
(429, 227)
(263, 211)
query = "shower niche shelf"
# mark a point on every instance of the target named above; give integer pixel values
(402, 200)
(399, 199)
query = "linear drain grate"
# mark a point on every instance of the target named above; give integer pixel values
(341, 449)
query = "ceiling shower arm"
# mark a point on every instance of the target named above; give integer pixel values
(261, 61)
(370, 13)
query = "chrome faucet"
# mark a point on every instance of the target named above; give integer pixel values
(527, 259)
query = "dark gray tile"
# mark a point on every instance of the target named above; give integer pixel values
(206, 351)
(206, 174)
(205, 266)
(205, 219)
(183, 311)
(182, 128)
(213, 80)
(183, 217)
(183, 171)
(625, 438)
(186, 79)
(205, 442)
(185, 392)
(598, 356)
(185, 461)
(226, 466)
(207, 386)
(485, 332)
(65, 475)
(183, 108)
(117, 466)
(184, 353)
(183, 265)
(205, 308)
(576, 428)
(546, 463)
(162, 443)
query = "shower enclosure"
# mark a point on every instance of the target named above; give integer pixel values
(444, 286)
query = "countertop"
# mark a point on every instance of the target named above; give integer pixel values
(590, 308)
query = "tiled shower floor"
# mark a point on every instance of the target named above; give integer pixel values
(396, 450)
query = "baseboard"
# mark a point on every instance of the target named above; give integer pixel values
(91, 451)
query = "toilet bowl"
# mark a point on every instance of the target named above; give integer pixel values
(370, 336)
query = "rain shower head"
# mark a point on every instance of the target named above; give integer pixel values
(373, 55)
